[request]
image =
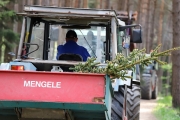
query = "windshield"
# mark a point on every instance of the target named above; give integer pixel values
(92, 39)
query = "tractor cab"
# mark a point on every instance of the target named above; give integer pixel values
(97, 31)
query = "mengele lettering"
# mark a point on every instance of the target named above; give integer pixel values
(43, 84)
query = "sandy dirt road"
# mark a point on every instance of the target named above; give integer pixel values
(146, 109)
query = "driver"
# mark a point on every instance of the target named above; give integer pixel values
(72, 47)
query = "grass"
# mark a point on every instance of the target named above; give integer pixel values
(165, 111)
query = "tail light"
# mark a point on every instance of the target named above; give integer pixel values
(17, 67)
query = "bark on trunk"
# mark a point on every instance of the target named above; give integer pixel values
(159, 41)
(98, 4)
(107, 4)
(54, 2)
(152, 30)
(67, 3)
(76, 3)
(161, 15)
(130, 5)
(176, 55)
(142, 16)
(85, 3)
(29, 2)
(115, 4)
(125, 5)
(149, 26)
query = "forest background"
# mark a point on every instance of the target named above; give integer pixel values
(155, 16)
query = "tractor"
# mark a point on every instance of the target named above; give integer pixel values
(149, 81)
(31, 89)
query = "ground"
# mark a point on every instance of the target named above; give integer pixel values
(146, 109)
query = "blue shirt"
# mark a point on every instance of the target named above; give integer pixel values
(74, 48)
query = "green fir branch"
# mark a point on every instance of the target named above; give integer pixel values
(118, 67)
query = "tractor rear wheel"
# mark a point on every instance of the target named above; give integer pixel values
(133, 102)
(117, 105)
(146, 88)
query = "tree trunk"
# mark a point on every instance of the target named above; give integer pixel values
(85, 3)
(130, 5)
(76, 3)
(152, 30)
(54, 2)
(176, 55)
(62, 3)
(159, 40)
(142, 16)
(98, 4)
(29, 2)
(149, 26)
(125, 5)
(45, 2)
(139, 10)
(120, 5)
(161, 22)
(36, 2)
(67, 3)
(57, 3)
(107, 4)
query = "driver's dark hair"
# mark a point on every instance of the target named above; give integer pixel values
(71, 34)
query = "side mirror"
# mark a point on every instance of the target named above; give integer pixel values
(136, 35)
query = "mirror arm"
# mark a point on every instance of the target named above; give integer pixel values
(122, 28)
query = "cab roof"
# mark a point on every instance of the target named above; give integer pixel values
(69, 15)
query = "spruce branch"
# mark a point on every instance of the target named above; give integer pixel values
(118, 67)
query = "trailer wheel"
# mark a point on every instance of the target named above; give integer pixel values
(155, 92)
(146, 89)
(117, 105)
(133, 102)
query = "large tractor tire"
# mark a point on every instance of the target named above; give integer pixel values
(133, 102)
(146, 88)
(155, 92)
(117, 105)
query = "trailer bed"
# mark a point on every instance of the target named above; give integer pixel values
(83, 94)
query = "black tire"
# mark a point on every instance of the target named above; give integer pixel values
(117, 105)
(133, 102)
(155, 92)
(146, 89)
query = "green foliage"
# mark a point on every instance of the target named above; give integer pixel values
(92, 4)
(167, 67)
(6, 15)
(118, 67)
(89, 66)
(164, 111)
(166, 79)
(3, 2)
(7, 36)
